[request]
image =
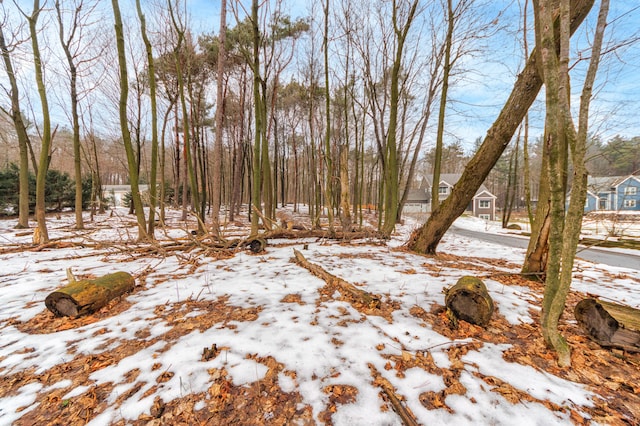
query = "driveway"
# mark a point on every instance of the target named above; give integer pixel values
(605, 256)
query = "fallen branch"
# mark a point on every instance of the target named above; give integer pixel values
(319, 233)
(407, 416)
(346, 289)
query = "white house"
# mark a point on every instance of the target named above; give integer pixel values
(117, 192)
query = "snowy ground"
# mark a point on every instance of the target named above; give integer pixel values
(277, 330)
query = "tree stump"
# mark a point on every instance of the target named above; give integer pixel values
(257, 245)
(610, 324)
(469, 300)
(83, 297)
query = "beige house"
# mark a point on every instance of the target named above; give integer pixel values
(483, 204)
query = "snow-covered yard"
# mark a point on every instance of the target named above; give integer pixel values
(242, 338)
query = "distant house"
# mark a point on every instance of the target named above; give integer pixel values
(116, 193)
(613, 193)
(483, 204)
(418, 200)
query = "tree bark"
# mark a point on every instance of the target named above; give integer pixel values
(525, 90)
(87, 296)
(610, 324)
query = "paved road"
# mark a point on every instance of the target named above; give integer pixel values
(598, 255)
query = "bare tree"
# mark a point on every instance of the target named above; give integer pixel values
(154, 119)
(216, 196)
(42, 235)
(124, 126)
(563, 138)
(70, 40)
(15, 114)
(525, 89)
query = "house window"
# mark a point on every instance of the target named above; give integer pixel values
(484, 216)
(630, 190)
(629, 203)
(485, 204)
(443, 190)
(602, 204)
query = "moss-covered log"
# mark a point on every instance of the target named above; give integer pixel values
(610, 324)
(86, 296)
(469, 300)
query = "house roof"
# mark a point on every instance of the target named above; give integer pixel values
(598, 184)
(452, 178)
(415, 195)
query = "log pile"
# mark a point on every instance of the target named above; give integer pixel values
(610, 324)
(469, 300)
(82, 297)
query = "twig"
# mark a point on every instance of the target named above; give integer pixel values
(406, 415)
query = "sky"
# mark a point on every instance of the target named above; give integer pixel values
(476, 101)
(146, 347)
(478, 95)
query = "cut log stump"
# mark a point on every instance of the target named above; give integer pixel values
(83, 297)
(469, 300)
(610, 324)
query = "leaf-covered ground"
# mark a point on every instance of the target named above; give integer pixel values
(224, 336)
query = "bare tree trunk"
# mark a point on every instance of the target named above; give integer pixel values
(154, 120)
(188, 150)
(525, 90)
(437, 161)
(124, 126)
(217, 150)
(391, 178)
(538, 250)
(75, 121)
(256, 199)
(565, 229)
(21, 132)
(42, 234)
(328, 186)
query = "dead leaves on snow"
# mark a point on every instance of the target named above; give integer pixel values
(181, 318)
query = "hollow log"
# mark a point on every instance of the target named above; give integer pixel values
(83, 297)
(257, 245)
(610, 324)
(469, 300)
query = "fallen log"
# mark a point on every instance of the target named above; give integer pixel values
(82, 297)
(469, 300)
(610, 324)
(349, 290)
